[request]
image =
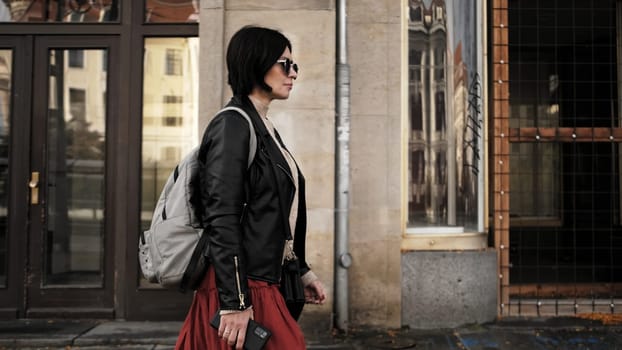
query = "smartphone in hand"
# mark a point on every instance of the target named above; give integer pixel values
(256, 334)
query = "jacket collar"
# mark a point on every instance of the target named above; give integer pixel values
(276, 158)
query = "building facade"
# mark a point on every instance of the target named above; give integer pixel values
(484, 151)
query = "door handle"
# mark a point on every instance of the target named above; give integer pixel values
(34, 187)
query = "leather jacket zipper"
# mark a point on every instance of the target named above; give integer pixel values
(237, 278)
(286, 173)
(244, 206)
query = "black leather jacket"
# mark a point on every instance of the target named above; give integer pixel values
(246, 211)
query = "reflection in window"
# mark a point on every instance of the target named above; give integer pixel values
(172, 121)
(77, 104)
(76, 58)
(173, 62)
(171, 154)
(439, 63)
(440, 112)
(535, 183)
(171, 11)
(170, 114)
(76, 11)
(75, 175)
(415, 14)
(6, 57)
(444, 115)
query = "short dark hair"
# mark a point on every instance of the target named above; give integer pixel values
(251, 53)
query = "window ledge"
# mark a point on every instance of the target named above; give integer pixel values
(443, 238)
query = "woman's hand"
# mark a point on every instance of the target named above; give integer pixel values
(233, 327)
(314, 293)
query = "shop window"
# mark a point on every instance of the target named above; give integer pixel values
(68, 11)
(170, 113)
(178, 11)
(445, 119)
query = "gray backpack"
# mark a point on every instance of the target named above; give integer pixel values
(172, 251)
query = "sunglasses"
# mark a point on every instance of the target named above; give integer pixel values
(288, 64)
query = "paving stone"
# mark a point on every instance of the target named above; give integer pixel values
(118, 332)
(41, 333)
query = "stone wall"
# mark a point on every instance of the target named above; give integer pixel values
(374, 54)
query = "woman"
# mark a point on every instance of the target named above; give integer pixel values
(255, 215)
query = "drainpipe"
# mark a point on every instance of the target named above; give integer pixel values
(481, 215)
(343, 259)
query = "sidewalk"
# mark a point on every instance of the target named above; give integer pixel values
(555, 333)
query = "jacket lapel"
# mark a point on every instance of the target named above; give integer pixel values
(280, 168)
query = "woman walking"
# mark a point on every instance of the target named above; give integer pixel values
(255, 215)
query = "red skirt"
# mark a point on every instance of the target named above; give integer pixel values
(269, 310)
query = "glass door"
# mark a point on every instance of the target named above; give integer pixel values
(71, 243)
(14, 124)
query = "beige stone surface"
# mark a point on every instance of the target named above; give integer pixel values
(368, 160)
(374, 224)
(374, 11)
(375, 283)
(211, 58)
(368, 56)
(376, 153)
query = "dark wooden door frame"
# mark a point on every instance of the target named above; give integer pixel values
(71, 301)
(11, 297)
(130, 301)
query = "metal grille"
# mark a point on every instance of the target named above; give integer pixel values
(564, 154)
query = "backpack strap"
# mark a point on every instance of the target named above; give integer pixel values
(199, 259)
(252, 143)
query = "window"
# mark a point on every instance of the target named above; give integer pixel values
(60, 11)
(77, 104)
(172, 108)
(439, 62)
(445, 120)
(173, 99)
(173, 62)
(76, 58)
(439, 14)
(415, 14)
(440, 116)
(172, 121)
